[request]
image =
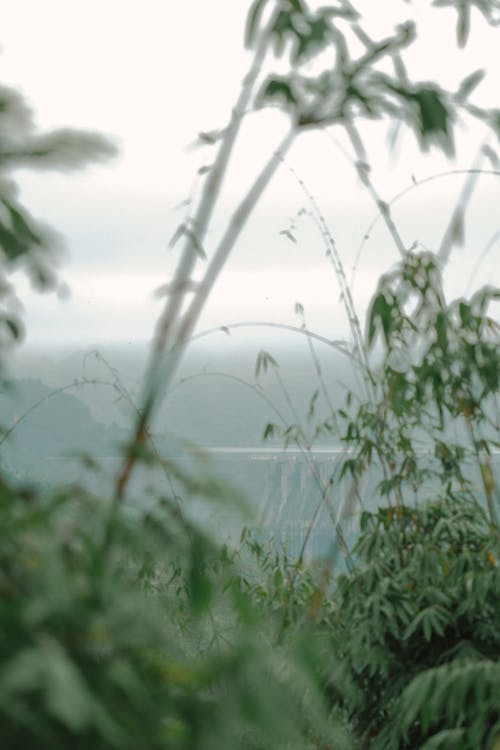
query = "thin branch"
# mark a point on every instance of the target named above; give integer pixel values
(340, 346)
(454, 233)
(415, 184)
(363, 168)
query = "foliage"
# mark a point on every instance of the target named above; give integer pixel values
(435, 387)
(25, 242)
(415, 630)
(151, 643)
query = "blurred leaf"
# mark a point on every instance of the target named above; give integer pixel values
(17, 235)
(380, 313)
(469, 83)
(179, 232)
(264, 360)
(288, 234)
(463, 24)
(200, 587)
(14, 327)
(63, 149)
(434, 114)
(492, 155)
(277, 89)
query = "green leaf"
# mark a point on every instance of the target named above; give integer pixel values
(18, 236)
(469, 83)
(312, 41)
(379, 314)
(310, 412)
(277, 89)
(14, 327)
(200, 586)
(271, 430)
(264, 360)
(463, 24)
(434, 114)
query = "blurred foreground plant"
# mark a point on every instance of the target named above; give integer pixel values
(25, 242)
(157, 645)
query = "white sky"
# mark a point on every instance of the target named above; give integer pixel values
(155, 73)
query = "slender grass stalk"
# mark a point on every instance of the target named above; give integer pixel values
(454, 233)
(169, 327)
(347, 299)
(125, 394)
(489, 246)
(305, 452)
(317, 367)
(340, 346)
(199, 223)
(401, 194)
(362, 166)
(483, 459)
(255, 388)
(165, 362)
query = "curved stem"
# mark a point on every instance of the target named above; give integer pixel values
(164, 362)
(416, 184)
(363, 172)
(340, 346)
(199, 223)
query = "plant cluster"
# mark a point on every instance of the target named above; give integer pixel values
(415, 629)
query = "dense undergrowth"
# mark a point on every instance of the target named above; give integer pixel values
(145, 631)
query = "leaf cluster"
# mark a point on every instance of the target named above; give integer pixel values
(24, 241)
(372, 85)
(415, 633)
(436, 384)
(151, 642)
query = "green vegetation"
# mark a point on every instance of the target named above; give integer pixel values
(143, 630)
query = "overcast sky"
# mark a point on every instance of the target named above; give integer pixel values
(155, 73)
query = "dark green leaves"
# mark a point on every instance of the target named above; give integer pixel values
(437, 376)
(18, 236)
(307, 32)
(429, 112)
(414, 635)
(380, 317)
(13, 327)
(264, 361)
(433, 112)
(199, 584)
(348, 88)
(280, 90)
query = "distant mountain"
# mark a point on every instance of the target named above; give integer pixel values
(39, 423)
(216, 400)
